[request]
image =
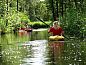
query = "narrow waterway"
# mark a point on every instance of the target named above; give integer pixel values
(35, 49)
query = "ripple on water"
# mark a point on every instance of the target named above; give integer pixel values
(35, 42)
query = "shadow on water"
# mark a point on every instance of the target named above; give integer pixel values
(35, 49)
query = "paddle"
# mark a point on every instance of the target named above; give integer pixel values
(49, 25)
(66, 37)
(42, 21)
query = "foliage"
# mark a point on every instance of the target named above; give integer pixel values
(73, 23)
(2, 26)
(13, 21)
(71, 14)
(38, 24)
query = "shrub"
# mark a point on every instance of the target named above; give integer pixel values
(39, 24)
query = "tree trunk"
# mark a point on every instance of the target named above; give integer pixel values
(81, 4)
(53, 12)
(17, 5)
(7, 6)
(7, 13)
(57, 9)
(75, 3)
(62, 7)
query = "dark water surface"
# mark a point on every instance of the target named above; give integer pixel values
(35, 49)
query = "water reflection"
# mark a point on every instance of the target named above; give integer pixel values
(73, 53)
(36, 53)
(39, 35)
(40, 52)
(56, 49)
(25, 33)
(55, 53)
(0, 55)
(35, 49)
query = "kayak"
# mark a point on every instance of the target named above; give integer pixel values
(25, 29)
(28, 29)
(56, 38)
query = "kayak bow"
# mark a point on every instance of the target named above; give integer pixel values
(56, 38)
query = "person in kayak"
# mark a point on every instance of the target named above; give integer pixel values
(56, 29)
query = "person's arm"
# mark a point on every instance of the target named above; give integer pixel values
(50, 31)
(62, 32)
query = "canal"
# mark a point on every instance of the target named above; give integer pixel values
(35, 49)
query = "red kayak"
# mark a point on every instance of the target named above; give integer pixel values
(25, 29)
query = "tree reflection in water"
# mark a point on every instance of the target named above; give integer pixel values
(0, 55)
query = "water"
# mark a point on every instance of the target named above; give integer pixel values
(35, 49)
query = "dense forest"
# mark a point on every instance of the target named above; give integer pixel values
(70, 13)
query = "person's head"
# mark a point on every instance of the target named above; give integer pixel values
(55, 23)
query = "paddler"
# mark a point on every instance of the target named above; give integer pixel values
(56, 29)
